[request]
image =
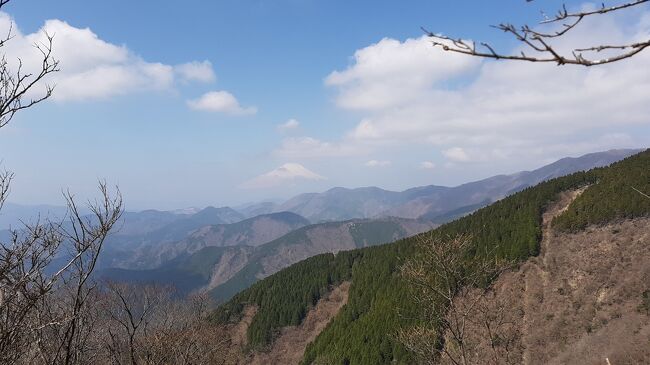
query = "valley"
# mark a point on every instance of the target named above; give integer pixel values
(220, 251)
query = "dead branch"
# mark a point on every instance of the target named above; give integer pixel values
(45, 285)
(450, 290)
(540, 43)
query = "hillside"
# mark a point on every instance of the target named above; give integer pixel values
(339, 203)
(310, 241)
(379, 301)
(226, 259)
(192, 234)
(582, 300)
(187, 272)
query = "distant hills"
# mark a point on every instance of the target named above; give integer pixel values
(339, 204)
(13, 215)
(309, 241)
(223, 259)
(211, 227)
(431, 201)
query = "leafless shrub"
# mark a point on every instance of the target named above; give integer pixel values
(148, 324)
(450, 289)
(540, 43)
(45, 285)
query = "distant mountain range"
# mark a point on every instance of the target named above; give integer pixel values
(14, 215)
(225, 250)
(210, 227)
(430, 202)
(338, 204)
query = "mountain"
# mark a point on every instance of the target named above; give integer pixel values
(481, 193)
(169, 227)
(309, 241)
(186, 272)
(340, 203)
(203, 261)
(188, 235)
(131, 223)
(252, 232)
(429, 202)
(592, 266)
(255, 209)
(140, 223)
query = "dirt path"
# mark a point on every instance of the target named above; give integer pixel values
(537, 276)
(290, 346)
(240, 330)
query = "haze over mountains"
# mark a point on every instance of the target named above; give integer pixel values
(188, 235)
(226, 250)
(224, 268)
(339, 203)
(217, 249)
(430, 201)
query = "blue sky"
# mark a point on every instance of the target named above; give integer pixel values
(183, 103)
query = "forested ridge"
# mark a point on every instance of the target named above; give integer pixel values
(617, 195)
(364, 233)
(379, 302)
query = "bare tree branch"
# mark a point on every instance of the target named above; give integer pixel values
(540, 42)
(16, 86)
(450, 290)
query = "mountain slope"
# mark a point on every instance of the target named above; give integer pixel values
(313, 240)
(581, 301)
(255, 209)
(186, 273)
(340, 203)
(192, 234)
(144, 222)
(428, 202)
(223, 258)
(379, 300)
(481, 193)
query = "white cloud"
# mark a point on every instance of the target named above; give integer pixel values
(390, 72)
(196, 71)
(92, 68)
(308, 147)
(427, 165)
(456, 154)
(287, 174)
(220, 102)
(377, 163)
(289, 124)
(498, 111)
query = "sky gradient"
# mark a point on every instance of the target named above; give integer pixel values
(218, 103)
